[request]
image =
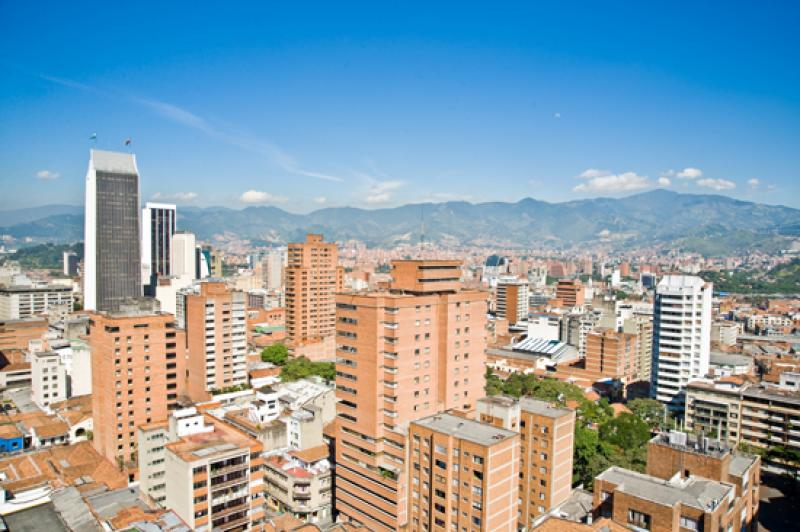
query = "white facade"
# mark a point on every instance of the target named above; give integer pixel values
(545, 326)
(48, 379)
(76, 359)
(32, 299)
(274, 263)
(184, 255)
(681, 336)
(167, 292)
(504, 302)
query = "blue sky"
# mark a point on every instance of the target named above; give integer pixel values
(375, 104)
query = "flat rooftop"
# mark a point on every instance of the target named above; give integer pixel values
(223, 440)
(543, 408)
(465, 429)
(696, 492)
(740, 463)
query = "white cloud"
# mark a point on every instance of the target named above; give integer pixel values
(258, 197)
(557, 115)
(47, 174)
(664, 181)
(379, 191)
(716, 184)
(177, 196)
(753, 183)
(320, 200)
(600, 181)
(690, 173)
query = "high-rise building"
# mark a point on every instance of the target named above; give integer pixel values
(463, 475)
(158, 226)
(71, 261)
(418, 348)
(184, 255)
(681, 336)
(216, 338)
(546, 449)
(112, 264)
(642, 326)
(138, 372)
(273, 264)
(313, 277)
(611, 354)
(512, 299)
(570, 292)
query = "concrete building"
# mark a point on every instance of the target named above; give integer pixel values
(463, 475)
(216, 339)
(300, 482)
(724, 333)
(512, 299)
(33, 299)
(273, 264)
(681, 336)
(570, 293)
(420, 349)
(158, 226)
(48, 379)
(112, 251)
(313, 277)
(575, 327)
(641, 325)
(138, 372)
(544, 326)
(546, 450)
(184, 255)
(611, 354)
(212, 474)
(17, 334)
(71, 261)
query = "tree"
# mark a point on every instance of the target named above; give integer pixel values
(626, 431)
(301, 367)
(276, 354)
(494, 384)
(648, 410)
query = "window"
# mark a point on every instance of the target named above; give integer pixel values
(639, 519)
(689, 523)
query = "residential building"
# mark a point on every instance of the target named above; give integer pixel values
(138, 373)
(611, 354)
(463, 475)
(274, 263)
(112, 250)
(575, 327)
(216, 338)
(681, 336)
(313, 277)
(546, 450)
(512, 299)
(642, 326)
(158, 226)
(183, 255)
(48, 379)
(570, 292)
(724, 333)
(544, 326)
(300, 482)
(30, 299)
(420, 349)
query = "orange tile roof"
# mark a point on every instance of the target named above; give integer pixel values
(9, 430)
(619, 408)
(312, 454)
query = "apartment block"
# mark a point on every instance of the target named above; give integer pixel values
(463, 475)
(642, 326)
(212, 473)
(512, 299)
(546, 450)
(681, 336)
(611, 354)
(48, 379)
(402, 354)
(216, 338)
(300, 482)
(138, 373)
(570, 292)
(313, 277)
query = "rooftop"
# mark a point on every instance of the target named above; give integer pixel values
(206, 445)
(695, 492)
(543, 408)
(114, 161)
(692, 444)
(465, 429)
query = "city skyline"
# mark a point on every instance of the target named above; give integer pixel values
(350, 107)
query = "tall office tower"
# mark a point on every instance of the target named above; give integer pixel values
(547, 443)
(464, 475)
(570, 292)
(138, 372)
(216, 338)
(419, 349)
(313, 277)
(184, 255)
(158, 226)
(681, 336)
(512, 299)
(71, 261)
(611, 354)
(112, 265)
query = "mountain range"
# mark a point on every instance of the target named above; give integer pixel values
(709, 224)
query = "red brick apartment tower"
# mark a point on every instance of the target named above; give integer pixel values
(612, 354)
(138, 373)
(403, 354)
(313, 277)
(570, 292)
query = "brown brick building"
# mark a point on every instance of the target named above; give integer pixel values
(570, 292)
(612, 354)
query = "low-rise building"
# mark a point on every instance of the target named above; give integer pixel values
(300, 483)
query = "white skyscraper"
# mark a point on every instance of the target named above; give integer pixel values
(112, 265)
(184, 255)
(681, 336)
(158, 226)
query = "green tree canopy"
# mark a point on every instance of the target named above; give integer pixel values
(277, 354)
(301, 367)
(626, 431)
